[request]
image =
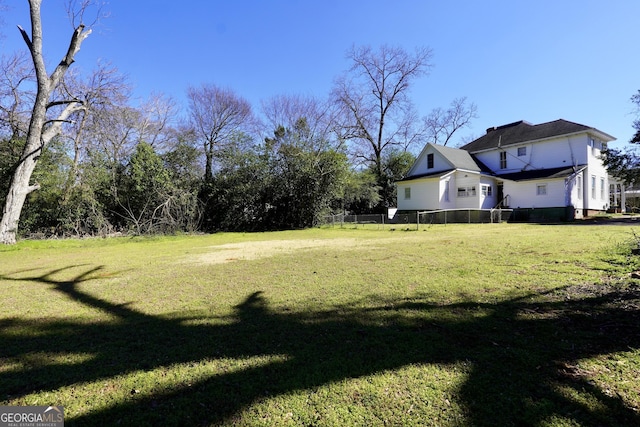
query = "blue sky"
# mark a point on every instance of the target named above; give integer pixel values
(516, 60)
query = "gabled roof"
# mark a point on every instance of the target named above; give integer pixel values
(457, 158)
(552, 173)
(522, 131)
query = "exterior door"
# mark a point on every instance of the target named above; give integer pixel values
(500, 195)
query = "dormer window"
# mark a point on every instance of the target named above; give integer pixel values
(430, 161)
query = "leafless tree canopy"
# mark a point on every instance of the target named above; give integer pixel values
(287, 110)
(79, 11)
(440, 125)
(217, 116)
(157, 115)
(16, 97)
(376, 111)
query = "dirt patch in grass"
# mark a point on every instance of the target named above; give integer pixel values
(244, 251)
(623, 295)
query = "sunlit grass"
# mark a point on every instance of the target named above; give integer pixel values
(449, 325)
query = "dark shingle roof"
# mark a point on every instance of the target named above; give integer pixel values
(426, 175)
(541, 173)
(523, 131)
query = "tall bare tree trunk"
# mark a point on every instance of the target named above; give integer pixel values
(18, 191)
(41, 130)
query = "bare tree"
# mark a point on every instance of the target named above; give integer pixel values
(154, 129)
(217, 116)
(115, 129)
(15, 98)
(42, 128)
(287, 111)
(440, 125)
(105, 87)
(377, 114)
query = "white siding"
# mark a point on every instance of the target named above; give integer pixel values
(565, 151)
(560, 152)
(439, 163)
(451, 203)
(424, 194)
(597, 169)
(577, 193)
(467, 180)
(524, 194)
(594, 198)
(552, 153)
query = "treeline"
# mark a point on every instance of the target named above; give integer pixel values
(123, 166)
(282, 183)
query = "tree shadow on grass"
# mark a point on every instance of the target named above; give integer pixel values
(522, 353)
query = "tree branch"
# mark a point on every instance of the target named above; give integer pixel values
(63, 102)
(74, 46)
(25, 36)
(56, 124)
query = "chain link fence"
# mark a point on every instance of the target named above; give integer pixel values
(461, 216)
(341, 220)
(418, 219)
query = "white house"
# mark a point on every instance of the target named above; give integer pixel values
(546, 171)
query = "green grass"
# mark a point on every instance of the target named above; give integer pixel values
(503, 324)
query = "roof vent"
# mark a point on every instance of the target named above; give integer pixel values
(491, 129)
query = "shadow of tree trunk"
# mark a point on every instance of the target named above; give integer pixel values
(519, 353)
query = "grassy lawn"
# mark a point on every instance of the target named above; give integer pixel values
(496, 325)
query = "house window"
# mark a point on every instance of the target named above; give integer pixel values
(579, 186)
(602, 188)
(593, 186)
(407, 193)
(594, 146)
(503, 160)
(446, 191)
(430, 161)
(541, 189)
(466, 191)
(522, 151)
(486, 190)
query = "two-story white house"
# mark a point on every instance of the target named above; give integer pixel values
(549, 171)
